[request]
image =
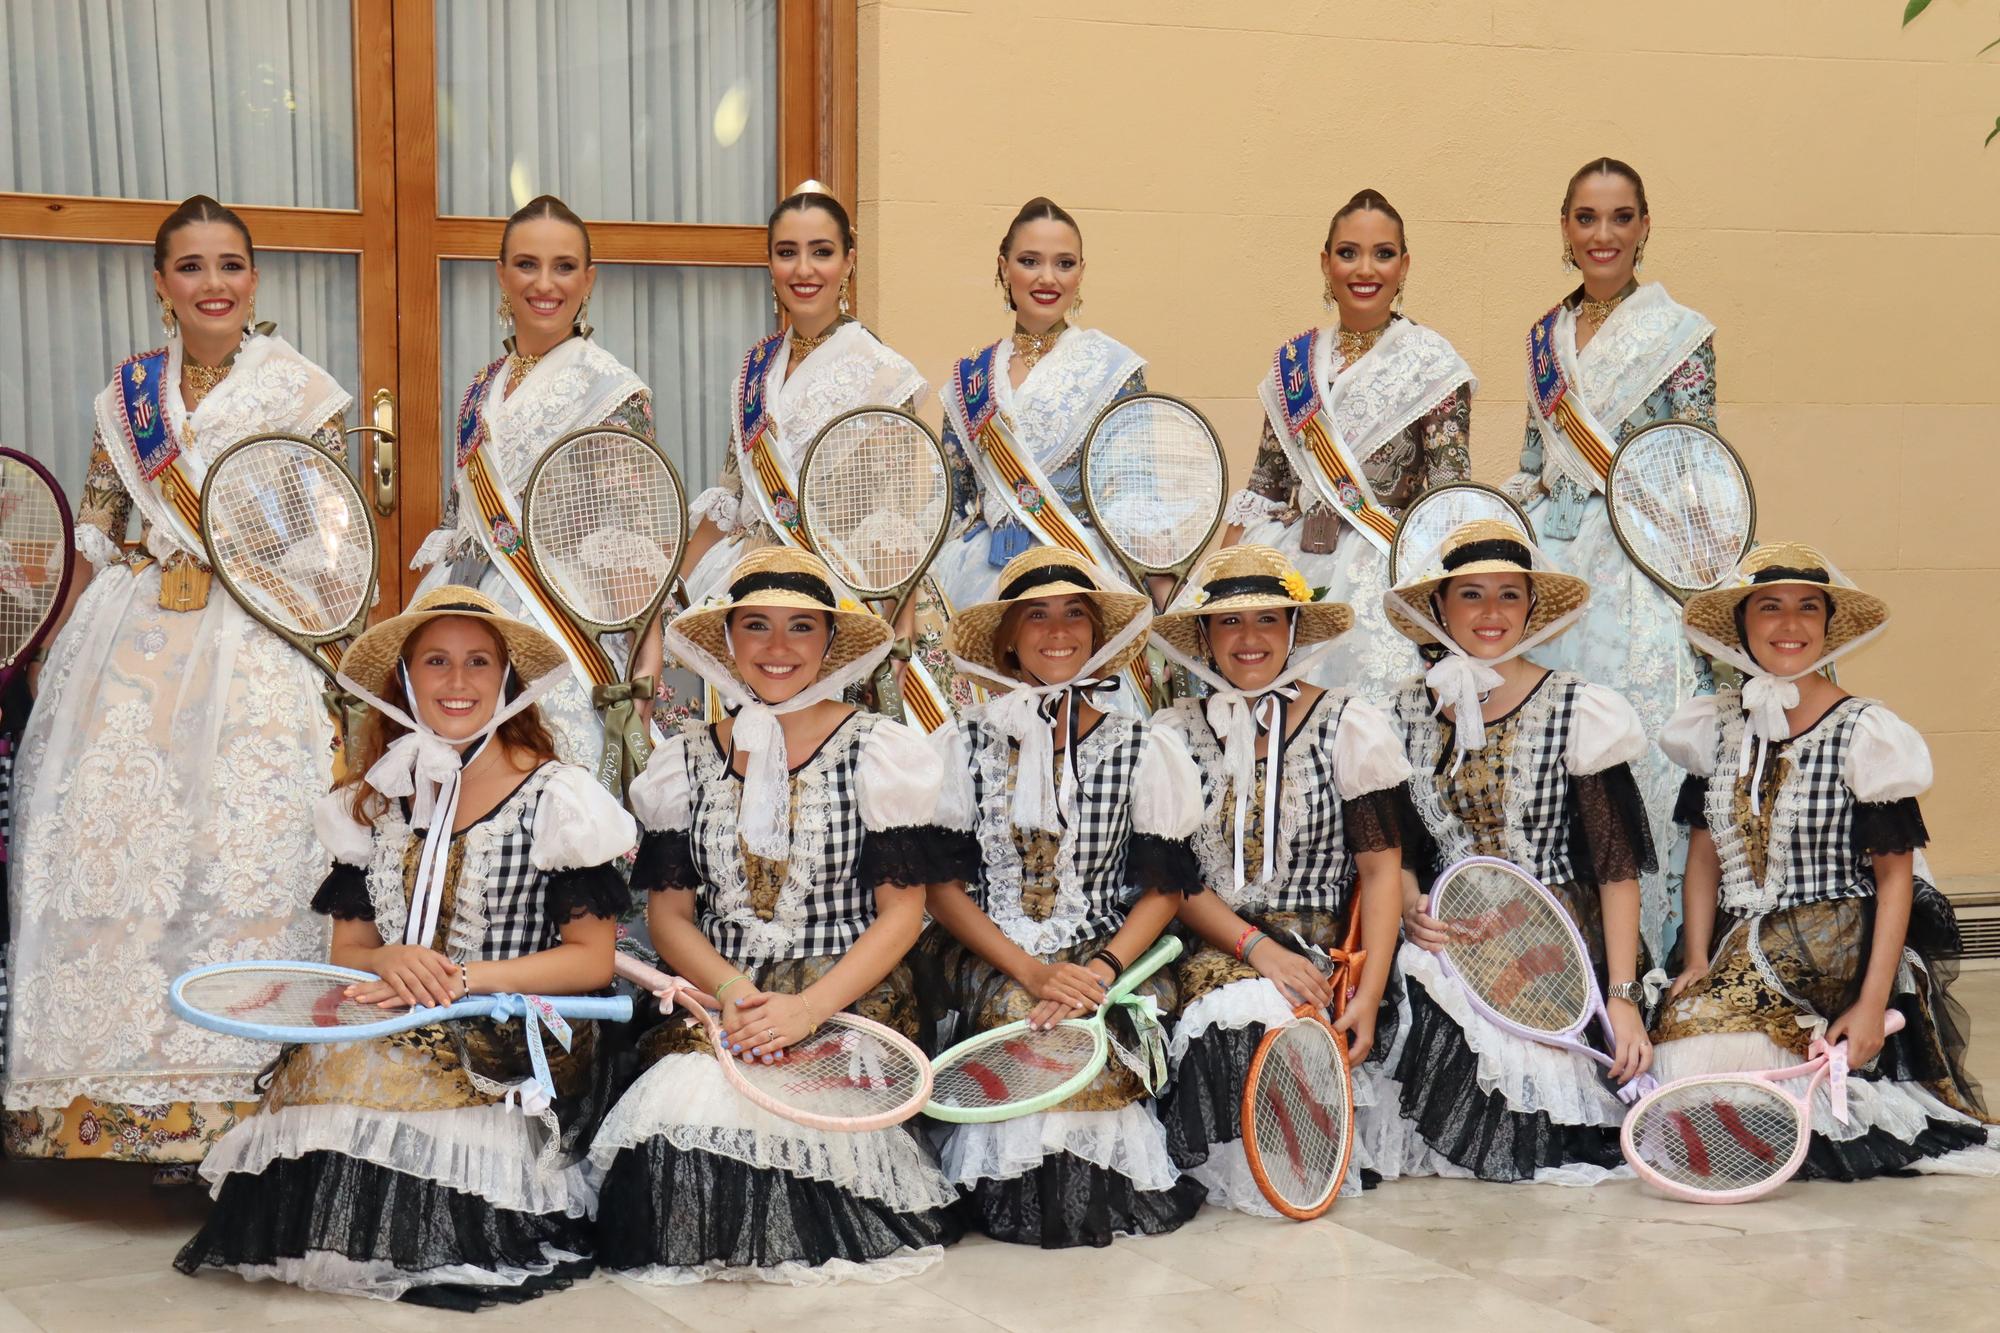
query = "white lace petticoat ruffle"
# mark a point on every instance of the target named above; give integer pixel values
(903, 1263)
(1130, 1141)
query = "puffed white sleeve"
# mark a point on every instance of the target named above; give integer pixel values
(351, 842)
(1887, 759)
(899, 779)
(1367, 754)
(1689, 738)
(663, 796)
(953, 750)
(578, 825)
(1603, 730)
(1166, 788)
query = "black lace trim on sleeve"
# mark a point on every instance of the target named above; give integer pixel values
(1165, 864)
(1691, 806)
(666, 861)
(913, 856)
(343, 894)
(1375, 822)
(1608, 830)
(590, 891)
(1885, 828)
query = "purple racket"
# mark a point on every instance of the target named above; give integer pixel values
(1521, 960)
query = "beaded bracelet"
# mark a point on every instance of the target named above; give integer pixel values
(1244, 939)
(465, 980)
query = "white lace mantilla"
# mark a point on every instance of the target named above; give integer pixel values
(1645, 340)
(1409, 371)
(851, 369)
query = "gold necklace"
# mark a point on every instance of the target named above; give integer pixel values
(1354, 346)
(1594, 313)
(519, 367)
(201, 380)
(1032, 347)
(803, 347)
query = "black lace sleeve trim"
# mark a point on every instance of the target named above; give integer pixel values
(912, 856)
(591, 891)
(1885, 828)
(343, 894)
(666, 861)
(1608, 830)
(1691, 806)
(1376, 821)
(960, 850)
(1165, 864)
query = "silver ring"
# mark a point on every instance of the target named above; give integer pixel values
(770, 1034)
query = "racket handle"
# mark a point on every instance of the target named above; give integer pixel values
(888, 690)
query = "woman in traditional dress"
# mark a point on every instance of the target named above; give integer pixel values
(1614, 356)
(1512, 760)
(1069, 881)
(1359, 418)
(1809, 909)
(405, 1166)
(786, 853)
(166, 777)
(553, 379)
(791, 385)
(1302, 795)
(1016, 414)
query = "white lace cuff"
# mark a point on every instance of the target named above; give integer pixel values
(720, 506)
(897, 778)
(1603, 730)
(1689, 737)
(578, 824)
(663, 795)
(1887, 759)
(350, 842)
(1367, 756)
(1247, 507)
(93, 545)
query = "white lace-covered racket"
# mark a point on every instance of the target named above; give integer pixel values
(1681, 505)
(36, 535)
(1432, 516)
(1154, 483)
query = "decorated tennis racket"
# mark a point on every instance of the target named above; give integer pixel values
(1430, 518)
(1154, 483)
(1730, 1138)
(36, 536)
(875, 488)
(291, 538)
(605, 520)
(1015, 1070)
(1681, 505)
(852, 1074)
(1520, 958)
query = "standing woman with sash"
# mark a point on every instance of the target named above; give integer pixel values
(792, 383)
(554, 379)
(1016, 413)
(1359, 418)
(163, 817)
(1614, 356)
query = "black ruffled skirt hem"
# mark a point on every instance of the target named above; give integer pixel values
(1204, 1106)
(323, 1203)
(1878, 1152)
(667, 1207)
(1067, 1202)
(1475, 1129)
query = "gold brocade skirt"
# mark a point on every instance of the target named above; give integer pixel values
(426, 1069)
(90, 1130)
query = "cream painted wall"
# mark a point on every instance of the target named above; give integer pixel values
(1817, 184)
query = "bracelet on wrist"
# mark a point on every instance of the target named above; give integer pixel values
(1255, 940)
(1110, 960)
(1243, 940)
(740, 976)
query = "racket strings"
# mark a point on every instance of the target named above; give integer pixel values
(1717, 1137)
(605, 524)
(1514, 951)
(33, 553)
(1015, 1068)
(288, 534)
(1156, 480)
(840, 1071)
(1684, 505)
(1432, 517)
(876, 494)
(1300, 1115)
(279, 997)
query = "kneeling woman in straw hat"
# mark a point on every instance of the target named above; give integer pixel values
(1512, 760)
(1302, 791)
(1802, 801)
(1079, 820)
(467, 860)
(787, 848)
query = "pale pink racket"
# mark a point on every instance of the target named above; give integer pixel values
(1730, 1138)
(852, 1074)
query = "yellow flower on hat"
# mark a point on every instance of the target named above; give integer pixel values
(1296, 586)
(849, 604)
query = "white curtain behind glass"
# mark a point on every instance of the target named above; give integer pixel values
(629, 110)
(251, 101)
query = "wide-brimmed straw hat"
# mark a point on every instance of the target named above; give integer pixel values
(785, 577)
(372, 659)
(1251, 578)
(1488, 546)
(1046, 571)
(1786, 564)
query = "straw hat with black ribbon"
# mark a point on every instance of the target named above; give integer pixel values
(421, 764)
(1711, 620)
(777, 578)
(1026, 710)
(1241, 580)
(1483, 546)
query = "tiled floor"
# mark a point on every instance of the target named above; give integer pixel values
(87, 1248)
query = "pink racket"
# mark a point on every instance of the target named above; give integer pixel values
(1520, 958)
(1730, 1138)
(852, 1074)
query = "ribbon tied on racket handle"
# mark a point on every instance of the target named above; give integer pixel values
(1149, 1061)
(626, 746)
(535, 1095)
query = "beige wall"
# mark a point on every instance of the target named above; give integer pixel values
(1817, 184)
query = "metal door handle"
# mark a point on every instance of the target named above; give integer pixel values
(383, 464)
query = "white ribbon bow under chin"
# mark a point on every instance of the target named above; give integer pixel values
(1237, 721)
(766, 818)
(1458, 681)
(1027, 715)
(1765, 699)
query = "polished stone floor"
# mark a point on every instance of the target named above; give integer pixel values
(87, 1247)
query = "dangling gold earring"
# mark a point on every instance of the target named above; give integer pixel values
(1639, 255)
(1076, 305)
(173, 325)
(1006, 297)
(506, 312)
(1396, 306)
(1569, 256)
(776, 309)
(250, 317)
(581, 324)
(845, 308)
(1326, 297)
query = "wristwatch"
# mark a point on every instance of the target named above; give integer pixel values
(1627, 990)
